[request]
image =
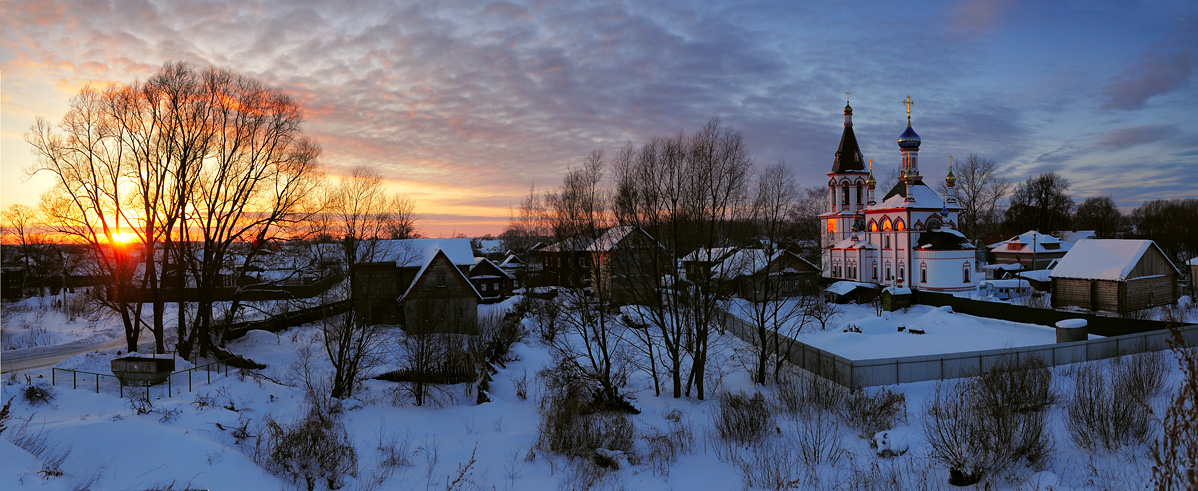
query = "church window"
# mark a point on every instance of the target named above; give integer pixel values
(900, 271)
(887, 245)
(933, 224)
(887, 226)
(844, 200)
(898, 225)
(873, 226)
(831, 226)
(875, 270)
(860, 199)
(965, 273)
(923, 272)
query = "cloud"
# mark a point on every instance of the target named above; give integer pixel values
(1154, 75)
(1123, 138)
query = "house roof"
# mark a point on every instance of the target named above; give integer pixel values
(1027, 240)
(845, 287)
(709, 254)
(418, 252)
(483, 264)
(511, 261)
(425, 265)
(848, 155)
(943, 239)
(1104, 259)
(571, 244)
(1068, 236)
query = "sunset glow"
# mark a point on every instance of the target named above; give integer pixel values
(465, 106)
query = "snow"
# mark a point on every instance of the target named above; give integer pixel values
(1071, 323)
(1041, 275)
(115, 448)
(844, 287)
(1102, 259)
(417, 252)
(1031, 242)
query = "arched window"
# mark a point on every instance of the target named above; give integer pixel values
(888, 275)
(875, 270)
(887, 241)
(831, 226)
(933, 224)
(887, 226)
(900, 270)
(873, 226)
(923, 272)
(844, 188)
(860, 196)
(965, 273)
(898, 225)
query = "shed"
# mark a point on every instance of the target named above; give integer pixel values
(848, 291)
(1114, 275)
(895, 298)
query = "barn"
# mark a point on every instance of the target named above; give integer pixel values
(1114, 275)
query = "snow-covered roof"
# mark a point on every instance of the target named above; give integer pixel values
(1068, 236)
(897, 290)
(856, 241)
(489, 246)
(418, 252)
(424, 267)
(1002, 267)
(924, 196)
(610, 238)
(479, 264)
(844, 287)
(1193, 261)
(706, 254)
(572, 244)
(511, 261)
(1037, 275)
(1005, 283)
(1103, 259)
(1026, 241)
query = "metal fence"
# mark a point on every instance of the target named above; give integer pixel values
(855, 374)
(173, 385)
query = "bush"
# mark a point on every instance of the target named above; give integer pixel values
(315, 449)
(1141, 375)
(666, 446)
(872, 411)
(1175, 453)
(804, 392)
(818, 440)
(36, 393)
(5, 414)
(742, 419)
(990, 422)
(1102, 415)
(573, 424)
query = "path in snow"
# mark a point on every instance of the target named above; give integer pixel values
(44, 356)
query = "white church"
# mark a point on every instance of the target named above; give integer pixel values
(908, 239)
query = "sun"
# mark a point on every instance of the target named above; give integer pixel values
(123, 237)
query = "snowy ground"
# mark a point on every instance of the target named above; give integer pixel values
(190, 440)
(944, 332)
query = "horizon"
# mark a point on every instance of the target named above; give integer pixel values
(464, 107)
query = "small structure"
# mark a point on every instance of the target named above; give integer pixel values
(849, 291)
(895, 298)
(440, 299)
(1114, 275)
(1070, 330)
(142, 371)
(1004, 289)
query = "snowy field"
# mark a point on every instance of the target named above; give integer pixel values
(205, 439)
(944, 332)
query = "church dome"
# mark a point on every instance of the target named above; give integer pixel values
(909, 138)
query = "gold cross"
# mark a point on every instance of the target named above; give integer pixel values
(908, 103)
(950, 163)
(846, 97)
(871, 166)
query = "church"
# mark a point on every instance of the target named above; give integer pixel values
(908, 238)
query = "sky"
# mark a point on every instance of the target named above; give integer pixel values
(466, 105)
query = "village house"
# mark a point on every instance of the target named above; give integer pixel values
(491, 281)
(421, 284)
(1114, 275)
(1031, 250)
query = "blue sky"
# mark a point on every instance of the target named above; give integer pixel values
(464, 105)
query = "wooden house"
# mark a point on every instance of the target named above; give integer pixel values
(1114, 275)
(491, 281)
(393, 272)
(567, 262)
(440, 299)
(1033, 250)
(627, 260)
(755, 274)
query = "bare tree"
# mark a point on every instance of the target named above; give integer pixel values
(981, 186)
(87, 202)
(590, 347)
(1040, 203)
(361, 212)
(20, 223)
(774, 313)
(1100, 215)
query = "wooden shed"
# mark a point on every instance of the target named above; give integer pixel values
(1114, 275)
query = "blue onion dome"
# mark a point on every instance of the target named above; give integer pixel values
(909, 138)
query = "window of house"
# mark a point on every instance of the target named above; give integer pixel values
(831, 226)
(440, 280)
(483, 287)
(582, 262)
(965, 273)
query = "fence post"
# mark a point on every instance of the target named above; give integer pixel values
(189, 370)
(169, 391)
(97, 383)
(74, 379)
(53, 372)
